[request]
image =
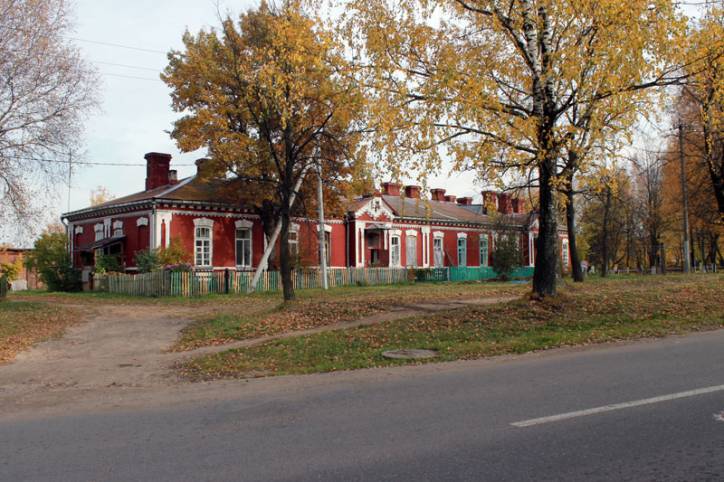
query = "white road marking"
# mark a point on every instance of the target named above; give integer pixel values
(719, 417)
(618, 406)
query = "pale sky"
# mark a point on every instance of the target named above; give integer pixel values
(136, 112)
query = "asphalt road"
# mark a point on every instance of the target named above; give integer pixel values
(478, 420)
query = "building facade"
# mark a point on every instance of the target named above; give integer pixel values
(394, 227)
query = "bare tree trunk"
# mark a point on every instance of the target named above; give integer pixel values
(576, 270)
(604, 234)
(285, 258)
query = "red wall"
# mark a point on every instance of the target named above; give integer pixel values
(137, 238)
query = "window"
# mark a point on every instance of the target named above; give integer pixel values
(395, 251)
(327, 247)
(203, 246)
(117, 229)
(293, 238)
(203, 242)
(243, 247)
(438, 252)
(462, 251)
(411, 251)
(564, 253)
(484, 250)
(98, 229)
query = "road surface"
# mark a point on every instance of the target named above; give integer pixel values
(649, 410)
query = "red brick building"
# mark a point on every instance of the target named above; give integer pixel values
(394, 227)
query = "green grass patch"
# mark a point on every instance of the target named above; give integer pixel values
(315, 308)
(601, 311)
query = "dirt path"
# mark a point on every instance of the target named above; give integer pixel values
(398, 313)
(120, 346)
(123, 348)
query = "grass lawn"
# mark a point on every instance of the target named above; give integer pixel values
(618, 308)
(24, 323)
(267, 315)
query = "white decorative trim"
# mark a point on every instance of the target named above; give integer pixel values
(375, 208)
(294, 227)
(239, 224)
(204, 223)
(395, 232)
(163, 218)
(425, 229)
(107, 228)
(327, 228)
(462, 235)
(142, 221)
(438, 234)
(78, 230)
(411, 233)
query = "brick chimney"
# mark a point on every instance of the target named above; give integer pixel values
(450, 198)
(157, 168)
(173, 176)
(437, 194)
(490, 199)
(390, 189)
(505, 206)
(201, 165)
(412, 192)
(465, 201)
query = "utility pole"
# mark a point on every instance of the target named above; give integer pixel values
(684, 200)
(322, 232)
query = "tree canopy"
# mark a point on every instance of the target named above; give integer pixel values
(496, 85)
(269, 96)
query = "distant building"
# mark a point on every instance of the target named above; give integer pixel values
(390, 228)
(27, 279)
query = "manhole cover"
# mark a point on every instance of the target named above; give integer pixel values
(405, 354)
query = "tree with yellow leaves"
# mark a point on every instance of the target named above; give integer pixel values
(270, 97)
(703, 98)
(489, 82)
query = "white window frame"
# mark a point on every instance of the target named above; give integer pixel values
(441, 239)
(486, 242)
(99, 231)
(393, 262)
(117, 228)
(565, 258)
(464, 238)
(203, 223)
(410, 235)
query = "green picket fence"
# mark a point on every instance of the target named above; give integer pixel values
(200, 283)
(481, 273)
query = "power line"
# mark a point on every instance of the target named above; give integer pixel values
(120, 46)
(89, 163)
(130, 77)
(127, 66)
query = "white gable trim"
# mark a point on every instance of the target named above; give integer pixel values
(241, 223)
(375, 208)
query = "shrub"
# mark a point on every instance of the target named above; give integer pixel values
(52, 261)
(175, 254)
(506, 256)
(108, 263)
(148, 260)
(11, 271)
